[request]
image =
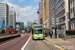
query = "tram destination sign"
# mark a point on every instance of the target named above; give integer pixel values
(37, 26)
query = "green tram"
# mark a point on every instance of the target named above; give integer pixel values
(37, 31)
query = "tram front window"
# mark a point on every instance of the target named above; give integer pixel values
(37, 31)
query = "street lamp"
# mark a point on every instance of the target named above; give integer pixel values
(55, 20)
(18, 12)
(18, 16)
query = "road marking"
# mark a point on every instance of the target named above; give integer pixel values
(9, 41)
(51, 41)
(54, 45)
(25, 44)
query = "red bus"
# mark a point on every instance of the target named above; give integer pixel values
(12, 31)
(7, 31)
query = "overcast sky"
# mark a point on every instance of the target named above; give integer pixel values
(25, 14)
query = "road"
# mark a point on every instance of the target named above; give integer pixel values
(15, 44)
(41, 45)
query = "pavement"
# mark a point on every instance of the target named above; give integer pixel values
(69, 44)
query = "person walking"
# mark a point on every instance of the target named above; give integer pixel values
(46, 33)
(51, 33)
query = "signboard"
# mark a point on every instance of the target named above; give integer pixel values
(38, 26)
(53, 21)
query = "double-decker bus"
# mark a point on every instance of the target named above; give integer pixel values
(37, 31)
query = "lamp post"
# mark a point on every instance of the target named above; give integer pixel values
(55, 20)
(18, 16)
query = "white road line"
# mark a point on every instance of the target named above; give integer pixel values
(25, 44)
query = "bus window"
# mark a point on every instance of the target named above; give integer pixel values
(37, 31)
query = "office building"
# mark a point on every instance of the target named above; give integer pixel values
(12, 19)
(45, 13)
(72, 14)
(60, 10)
(29, 23)
(21, 24)
(40, 13)
(4, 13)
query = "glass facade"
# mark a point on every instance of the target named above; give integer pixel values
(72, 25)
(4, 8)
(59, 11)
(21, 24)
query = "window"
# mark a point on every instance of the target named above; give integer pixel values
(70, 5)
(72, 25)
(72, 15)
(61, 19)
(61, 13)
(60, 1)
(73, 4)
(56, 1)
(38, 31)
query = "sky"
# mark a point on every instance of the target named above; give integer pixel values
(27, 9)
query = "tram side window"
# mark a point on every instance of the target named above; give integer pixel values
(38, 31)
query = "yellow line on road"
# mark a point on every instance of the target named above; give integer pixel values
(54, 45)
(9, 41)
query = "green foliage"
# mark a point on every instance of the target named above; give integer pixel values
(70, 32)
(25, 29)
(53, 27)
(2, 31)
(16, 31)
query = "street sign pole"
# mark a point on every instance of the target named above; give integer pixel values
(55, 21)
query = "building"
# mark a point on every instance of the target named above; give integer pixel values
(40, 13)
(4, 13)
(29, 23)
(72, 14)
(21, 24)
(45, 13)
(59, 10)
(12, 19)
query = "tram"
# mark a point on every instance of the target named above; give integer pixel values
(37, 31)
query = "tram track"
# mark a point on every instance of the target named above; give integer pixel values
(48, 46)
(37, 48)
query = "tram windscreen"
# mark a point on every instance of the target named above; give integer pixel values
(37, 31)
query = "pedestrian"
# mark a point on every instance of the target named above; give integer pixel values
(45, 32)
(51, 33)
(23, 31)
